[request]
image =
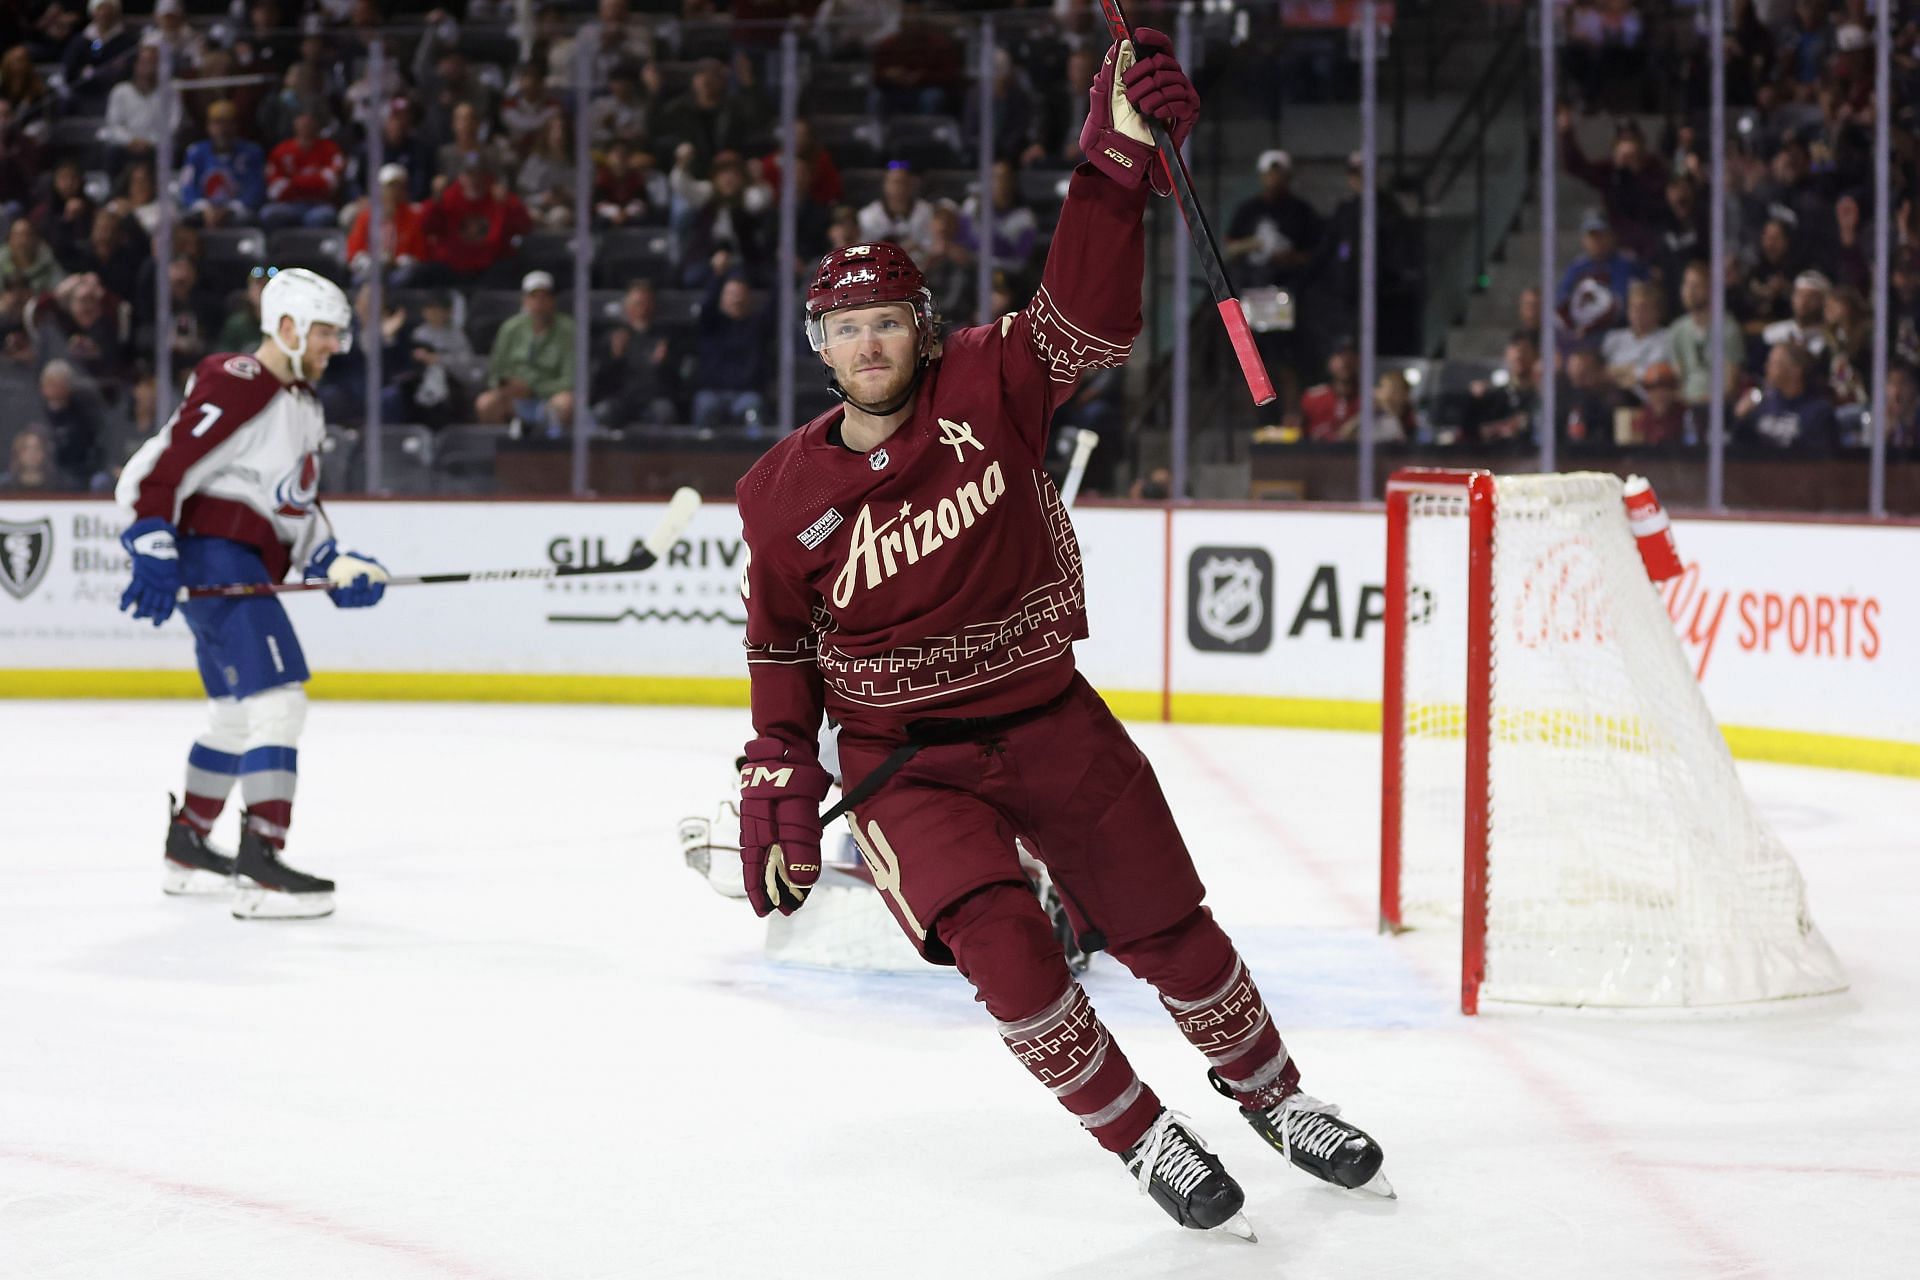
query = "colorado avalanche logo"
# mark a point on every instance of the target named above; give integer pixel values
(295, 493)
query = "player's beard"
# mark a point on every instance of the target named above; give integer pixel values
(866, 395)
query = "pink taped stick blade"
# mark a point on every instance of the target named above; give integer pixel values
(1251, 366)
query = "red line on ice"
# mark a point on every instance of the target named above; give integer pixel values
(426, 1255)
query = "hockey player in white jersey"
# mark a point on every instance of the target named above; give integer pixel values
(227, 491)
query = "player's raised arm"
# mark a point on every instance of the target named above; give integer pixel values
(1086, 312)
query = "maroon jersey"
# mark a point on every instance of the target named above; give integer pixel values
(938, 575)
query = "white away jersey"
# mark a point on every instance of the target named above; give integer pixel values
(240, 460)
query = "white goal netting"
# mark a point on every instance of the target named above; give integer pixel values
(1625, 864)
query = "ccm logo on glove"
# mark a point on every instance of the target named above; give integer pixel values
(779, 826)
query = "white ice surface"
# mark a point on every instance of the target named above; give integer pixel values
(531, 1044)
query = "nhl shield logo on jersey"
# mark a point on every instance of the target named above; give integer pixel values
(25, 552)
(879, 459)
(1230, 594)
(295, 493)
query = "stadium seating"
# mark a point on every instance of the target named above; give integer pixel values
(624, 256)
(925, 142)
(406, 459)
(487, 309)
(463, 458)
(321, 249)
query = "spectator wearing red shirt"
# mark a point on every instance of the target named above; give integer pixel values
(303, 178)
(474, 225)
(826, 188)
(1330, 412)
(403, 233)
(627, 189)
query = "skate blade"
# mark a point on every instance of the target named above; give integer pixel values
(1378, 1186)
(181, 880)
(1239, 1227)
(252, 902)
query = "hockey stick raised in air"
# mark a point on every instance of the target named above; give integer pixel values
(680, 511)
(1251, 366)
(1077, 469)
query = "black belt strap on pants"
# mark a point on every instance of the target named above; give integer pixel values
(939, 732)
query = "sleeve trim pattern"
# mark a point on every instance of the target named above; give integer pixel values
(803, 652)
(1063, 346)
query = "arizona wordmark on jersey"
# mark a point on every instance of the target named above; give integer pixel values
(881, 550)
(1041, 626)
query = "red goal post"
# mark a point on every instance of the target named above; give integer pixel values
(1474, 489)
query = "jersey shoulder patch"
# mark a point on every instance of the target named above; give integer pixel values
(239, 384)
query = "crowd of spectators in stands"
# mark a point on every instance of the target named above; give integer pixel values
(478, 195)
(1633, 309)
(479, 191)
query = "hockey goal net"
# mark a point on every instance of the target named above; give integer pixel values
(1552, 778)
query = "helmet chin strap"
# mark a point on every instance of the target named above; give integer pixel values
(293, 354)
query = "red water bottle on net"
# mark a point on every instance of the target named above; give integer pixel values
(1651, 530)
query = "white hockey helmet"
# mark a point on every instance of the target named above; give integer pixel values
(309, 298)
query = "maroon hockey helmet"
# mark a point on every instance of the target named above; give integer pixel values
(865, 275)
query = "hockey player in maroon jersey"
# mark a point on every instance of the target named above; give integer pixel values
(227, 491)
(912, 572)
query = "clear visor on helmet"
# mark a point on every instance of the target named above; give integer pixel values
(860, 324)
(345, 334)
(304, 334)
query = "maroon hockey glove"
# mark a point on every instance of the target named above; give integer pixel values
(1139, 78)
(780, 799)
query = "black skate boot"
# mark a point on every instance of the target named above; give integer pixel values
(1307, 1131)
(192, 865)
(265, 888)
(1186, 1179)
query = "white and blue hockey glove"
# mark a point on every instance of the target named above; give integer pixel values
(156, 569)
(358, 581)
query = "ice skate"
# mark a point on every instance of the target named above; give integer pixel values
(265, 888)
(192, 865)
(1308, 1132)
(1186, 1179)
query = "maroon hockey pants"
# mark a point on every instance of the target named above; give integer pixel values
(941, 839)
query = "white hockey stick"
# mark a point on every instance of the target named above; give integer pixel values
(679, 513)
(1077, 469)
